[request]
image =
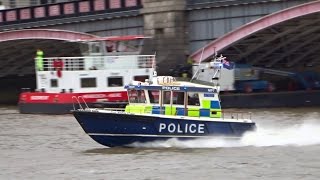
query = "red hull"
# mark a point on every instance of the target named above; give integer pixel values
(62, 103)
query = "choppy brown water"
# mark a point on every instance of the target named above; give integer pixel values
(286, 146)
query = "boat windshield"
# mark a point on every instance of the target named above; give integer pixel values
(170, 97)
(111, 47)
(136, 96)
(91, 48)
(193, 99)
(124, 46)
(154, 96)
(178, 98)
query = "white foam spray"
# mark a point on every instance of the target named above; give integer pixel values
(296, 135)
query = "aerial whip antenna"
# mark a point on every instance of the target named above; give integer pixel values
(154, 65)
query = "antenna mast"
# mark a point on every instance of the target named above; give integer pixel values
(196, 74)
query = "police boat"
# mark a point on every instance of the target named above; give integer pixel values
(164, 108)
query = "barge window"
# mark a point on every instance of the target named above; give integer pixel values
(84, 49)
(115, 81)
(95, 47)
(136, 96)
(128, 46)
(140, 78)
(54, 83)
(193, 99)
(88, 82)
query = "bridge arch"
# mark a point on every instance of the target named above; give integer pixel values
(252, 28)
(18, 48)
(49, 34)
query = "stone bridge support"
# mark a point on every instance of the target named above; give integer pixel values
(165, 21)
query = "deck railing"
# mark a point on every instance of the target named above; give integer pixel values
(225, 114)
(96, 63)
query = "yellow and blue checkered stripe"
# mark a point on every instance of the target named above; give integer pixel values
(138, 109)
(209, 108)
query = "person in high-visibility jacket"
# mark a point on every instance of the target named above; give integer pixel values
(187, 69)
(39, 60)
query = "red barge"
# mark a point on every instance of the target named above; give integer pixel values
(98, 76)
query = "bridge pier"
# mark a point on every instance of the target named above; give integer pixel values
(166, 22)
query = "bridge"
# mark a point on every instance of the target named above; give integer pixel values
(284, 39)
(268, 33)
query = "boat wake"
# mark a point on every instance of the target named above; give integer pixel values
(297, 135)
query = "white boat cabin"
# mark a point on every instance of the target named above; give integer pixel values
(107, 64)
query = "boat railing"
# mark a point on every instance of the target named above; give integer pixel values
(96, 63)
(77, 100)
(226, 114)
(235, 115)
(196, 81)
(115, 110)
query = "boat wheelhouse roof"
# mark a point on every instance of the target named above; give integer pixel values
(183, 87)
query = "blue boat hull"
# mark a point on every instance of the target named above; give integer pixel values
(120, 129)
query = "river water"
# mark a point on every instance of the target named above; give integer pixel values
(286, 145)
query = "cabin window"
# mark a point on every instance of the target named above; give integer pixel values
(121, 46)
(84, 49)
(154, 96)
(140, 78)
(136, 96)
(54, 83)
(110, 46)
(115, 81)
(88, 82)
(178, 98)
(95, 47)
(193, 99)
(128, 46)
(166, 97)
